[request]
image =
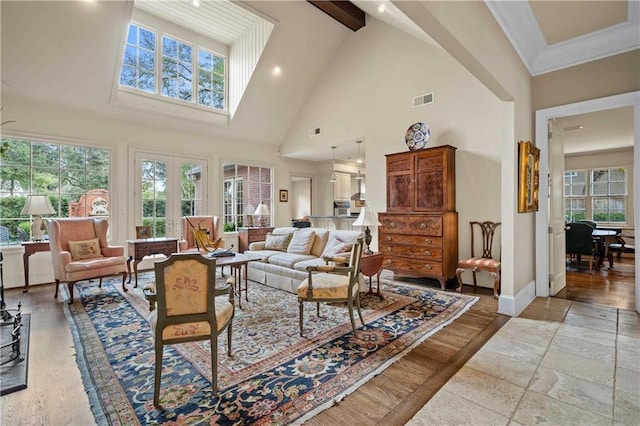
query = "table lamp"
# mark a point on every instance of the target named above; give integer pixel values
(263, 211)
(37, 205)
(367, 218)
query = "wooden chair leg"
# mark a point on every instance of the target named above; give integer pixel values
(57, 285)
(100, 283)
(229, 333)
(301, 309)
(157, 374)
(359, 311)
(475, 280)
(353, 323)
(124, 278)
(214, 366)
(496, 284)
(459, 272)
(70, 287)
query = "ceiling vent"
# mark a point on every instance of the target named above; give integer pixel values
(422, 100)
(314, 132)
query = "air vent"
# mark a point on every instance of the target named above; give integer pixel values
(314, 132)
(422, 100)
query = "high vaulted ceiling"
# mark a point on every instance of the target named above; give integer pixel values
(67, 53)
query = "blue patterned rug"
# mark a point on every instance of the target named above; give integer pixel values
(274, 376)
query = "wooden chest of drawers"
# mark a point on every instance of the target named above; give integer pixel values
(420, 244)
(247, 236)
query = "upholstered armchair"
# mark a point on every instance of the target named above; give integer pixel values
(80, 251)
(210, 223)
(329, 283)
(189, 309)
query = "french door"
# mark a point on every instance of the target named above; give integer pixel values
(167, 188)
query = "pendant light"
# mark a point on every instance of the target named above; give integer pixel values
(359, 160)
(333, 162)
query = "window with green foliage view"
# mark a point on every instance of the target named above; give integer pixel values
(599, 195)
(74, 177)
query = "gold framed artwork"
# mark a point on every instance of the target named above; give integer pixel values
(143, 232)
(528, 177)
(284, 195)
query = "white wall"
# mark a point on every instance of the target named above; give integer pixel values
(367, 91)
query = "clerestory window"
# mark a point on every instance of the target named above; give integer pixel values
(175, 70)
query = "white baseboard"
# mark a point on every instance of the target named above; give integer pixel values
(513, 306)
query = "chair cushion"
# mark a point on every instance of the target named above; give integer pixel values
(336, 245)
(327, 287)
(278, 242)
(85, 249)
(480, 262)
(301, 242)
(224, 312)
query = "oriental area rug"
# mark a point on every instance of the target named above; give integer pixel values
(274, 376)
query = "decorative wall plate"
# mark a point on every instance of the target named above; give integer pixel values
(417, 136)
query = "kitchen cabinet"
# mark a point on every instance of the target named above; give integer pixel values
(342, 186)
(419, 232)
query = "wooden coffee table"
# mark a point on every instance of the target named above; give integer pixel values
(237, 263)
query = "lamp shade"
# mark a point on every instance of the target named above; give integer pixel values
(367, 218)
(262, 210)
(37, 205)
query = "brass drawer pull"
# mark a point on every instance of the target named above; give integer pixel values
(388, 238)
(389, 248)
(428, 241)
(427, 266)
(392, 225)
(423, 225)
(427, 252)
(389, 262)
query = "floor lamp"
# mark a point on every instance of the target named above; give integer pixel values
(367, 218)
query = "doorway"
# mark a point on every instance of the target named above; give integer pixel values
(543, 223)
(167, 188)
(301, 198)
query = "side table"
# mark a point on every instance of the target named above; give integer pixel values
(370, 265)
(138, 249)
(31, 247)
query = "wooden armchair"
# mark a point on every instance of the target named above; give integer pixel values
(333, 284)
(80, 251)
(189, 309)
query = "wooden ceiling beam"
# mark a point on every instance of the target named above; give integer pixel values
(344, 12)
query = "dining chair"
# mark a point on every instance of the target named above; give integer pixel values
(332, 283)
(622, 246)
(188, 309)
(486, 261)
(579, 242)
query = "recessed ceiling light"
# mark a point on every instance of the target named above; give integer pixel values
(277, 70)
(381, 8)
(196, 3)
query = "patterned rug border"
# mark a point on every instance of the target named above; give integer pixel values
(102, 416)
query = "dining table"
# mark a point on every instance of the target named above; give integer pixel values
(599, 237)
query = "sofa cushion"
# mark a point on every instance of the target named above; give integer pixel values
(320, 240)
(287, 260)
(301, 241)
(264, 254)
(302, 266)
(278, 242)
(85, 249)
(336, 245)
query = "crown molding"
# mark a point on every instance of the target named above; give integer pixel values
(521, 28)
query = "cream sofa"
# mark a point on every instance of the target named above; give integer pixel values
(287, 269)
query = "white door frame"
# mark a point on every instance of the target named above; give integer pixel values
(542, 141)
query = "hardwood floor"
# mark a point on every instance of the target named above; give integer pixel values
(55, 394)
(611, 287)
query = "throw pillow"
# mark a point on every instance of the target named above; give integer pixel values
(335, 246)
(278, 242)
(319, 242)
(85, 249)
(301, 242)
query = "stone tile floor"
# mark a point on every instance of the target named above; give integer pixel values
(559, 363)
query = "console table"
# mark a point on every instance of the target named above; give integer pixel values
(138, 249)
(247, 236)
(31, 247)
